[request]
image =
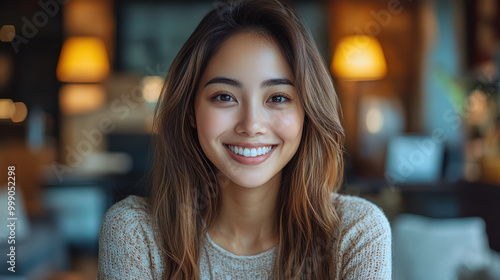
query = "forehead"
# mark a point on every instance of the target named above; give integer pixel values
(248, 57)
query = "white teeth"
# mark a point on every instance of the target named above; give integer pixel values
(253, 152)
(250, 152)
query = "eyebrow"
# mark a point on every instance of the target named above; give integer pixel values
(236, 83)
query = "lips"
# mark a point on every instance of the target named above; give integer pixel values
(250, 154)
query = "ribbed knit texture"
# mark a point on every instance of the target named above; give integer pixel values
(127, 249)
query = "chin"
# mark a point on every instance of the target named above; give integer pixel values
(249, 183)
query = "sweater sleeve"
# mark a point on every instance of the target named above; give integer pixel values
(123, 247)
(365, 242)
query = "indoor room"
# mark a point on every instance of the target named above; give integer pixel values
(417, 91)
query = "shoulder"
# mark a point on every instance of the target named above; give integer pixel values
(363, 239)
(128, 219)
(131, 209)
(359, 212)
(126, 242)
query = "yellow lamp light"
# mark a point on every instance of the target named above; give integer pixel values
(152, 88)
(7, 108)
(77, 99)
(83, 60)
(7, 33)
(20, 113)
(15, 111)
(359, 58)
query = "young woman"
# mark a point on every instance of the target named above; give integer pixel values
(248, 159)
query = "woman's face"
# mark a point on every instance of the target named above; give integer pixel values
(248, 113)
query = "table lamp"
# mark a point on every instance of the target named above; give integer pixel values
(357, 58)
(82, 65)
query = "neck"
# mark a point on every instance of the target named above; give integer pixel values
(247, 216)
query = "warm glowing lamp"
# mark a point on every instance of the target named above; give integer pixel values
(83, 60)
(7, 33)
(15, 111)
(81, 98)
(359, 58)
(20, 113)
(151, 88)
(7, 108)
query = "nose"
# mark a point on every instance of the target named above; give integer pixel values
(252, 120)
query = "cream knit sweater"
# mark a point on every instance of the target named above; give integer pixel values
(127, 249)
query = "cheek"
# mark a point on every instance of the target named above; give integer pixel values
(210, 123)
(288, 126)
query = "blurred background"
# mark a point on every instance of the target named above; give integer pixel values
(418, 85)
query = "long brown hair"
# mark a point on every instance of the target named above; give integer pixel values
(185, 184)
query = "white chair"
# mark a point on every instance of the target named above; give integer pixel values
(441, 249)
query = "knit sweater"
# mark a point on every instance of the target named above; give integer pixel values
(127, 249)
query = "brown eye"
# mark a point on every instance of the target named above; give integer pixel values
(225, 97)
(222, 98)
(279, 98)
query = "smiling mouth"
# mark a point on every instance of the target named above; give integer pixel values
(250, 152)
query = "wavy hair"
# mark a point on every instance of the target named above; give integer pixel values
(184, 191)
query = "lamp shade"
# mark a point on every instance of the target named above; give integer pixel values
(359, 58)
(83, 60)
